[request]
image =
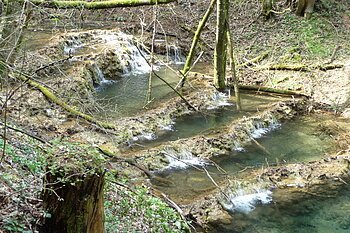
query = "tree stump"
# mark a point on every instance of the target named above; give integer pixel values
(73, 194)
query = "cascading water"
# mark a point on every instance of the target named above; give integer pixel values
(244, 201)
(100, 76)
(126, 51)
(182, 159)
(176, 55)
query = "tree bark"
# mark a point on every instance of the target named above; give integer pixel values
(97, 5)
(220, 52)
(74, 208)
(195, 40)
(267, 8)
(305, 8)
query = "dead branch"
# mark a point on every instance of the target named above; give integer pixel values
(301, 67)
(78, 4)
(272, 90)
(26, 133)
(168, 84)
(255, 60)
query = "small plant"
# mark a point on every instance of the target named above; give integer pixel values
(13, 225)
(139, 211)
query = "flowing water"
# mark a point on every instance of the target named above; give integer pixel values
(300, 140)
(203, 122)
(312, 215)
(295, 141)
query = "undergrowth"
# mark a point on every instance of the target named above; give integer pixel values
(136, 210)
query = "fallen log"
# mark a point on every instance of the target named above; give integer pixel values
(53, 98)
(255, 60)
(96, 5)
(300, 67)
(272, 90)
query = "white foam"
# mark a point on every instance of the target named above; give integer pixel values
(219, 99)
(145, 136)
(169, 127)
(245, 202)
(127, 52)
(183, 160)
(101, 76)
(260, 130)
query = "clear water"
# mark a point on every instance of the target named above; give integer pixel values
(295, 141)
(311, 215)
(204, 122)
(128, 95)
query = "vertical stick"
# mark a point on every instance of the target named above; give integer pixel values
(149, 94)
(233, 70)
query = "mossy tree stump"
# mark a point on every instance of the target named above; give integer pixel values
(73, 191)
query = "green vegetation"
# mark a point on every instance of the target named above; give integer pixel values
(66, 157)
(136, 210)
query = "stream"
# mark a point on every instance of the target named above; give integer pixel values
(313, 215)
(295, 141)
(299, 140)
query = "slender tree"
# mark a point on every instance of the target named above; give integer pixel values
(195, 40)
(220, 52)
(233, 70)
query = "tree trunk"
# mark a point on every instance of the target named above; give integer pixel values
(73, 189)
(220, 52)
(96, 5)
(195, 40)
(305, 8)
(74, 208)
(267, 8)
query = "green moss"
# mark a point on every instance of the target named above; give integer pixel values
(68, 158)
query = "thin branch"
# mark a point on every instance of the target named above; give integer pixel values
(26, 133)
(168, 84)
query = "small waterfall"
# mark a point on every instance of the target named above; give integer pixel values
(219, 99)
(259, 129)
(100, 76)
(72, 44)
(245, 199)
(127, 52)
(100, 79)
(182, 159)
(176, 55)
